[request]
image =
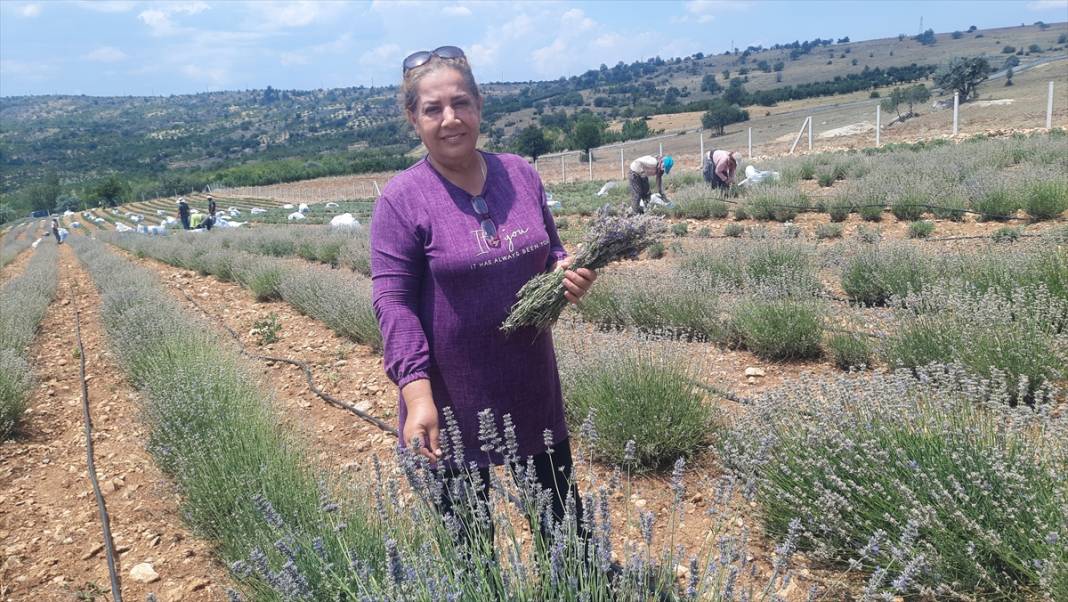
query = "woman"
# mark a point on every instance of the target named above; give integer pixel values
(641, 169)
(719, 168)
(453, 238)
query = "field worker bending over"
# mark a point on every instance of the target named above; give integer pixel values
(719, 167)
(640, 171)
(453, 239)
(211, 213)
(55, 231)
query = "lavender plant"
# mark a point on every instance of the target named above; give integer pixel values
(608, 238)
(936, 478)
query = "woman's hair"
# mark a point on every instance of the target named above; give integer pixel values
(410, 85)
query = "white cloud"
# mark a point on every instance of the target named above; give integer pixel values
(383, 54)
(108, 6)
(106, 54)
(1042, 5)
(294, 13)
(705, 10)
(575, 21)
(159, 20)
(30, 10)
(456, 10)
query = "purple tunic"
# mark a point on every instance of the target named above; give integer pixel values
(441, 292)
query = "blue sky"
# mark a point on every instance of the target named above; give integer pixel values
(128, 47)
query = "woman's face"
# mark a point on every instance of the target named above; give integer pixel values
(447, 116)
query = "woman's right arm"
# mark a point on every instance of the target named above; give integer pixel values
(397, 264)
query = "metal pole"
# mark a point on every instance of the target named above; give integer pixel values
(589, 161)
(799, 133)
(661, 149)
(750, 155)
(563, 174)
(956, 109)
(622, 171)
(1049, 108)
(878, 123)
(810, 132)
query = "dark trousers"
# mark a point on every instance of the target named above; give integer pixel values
(185, 222)
(639, 191)
(709, 173)
(553, 472)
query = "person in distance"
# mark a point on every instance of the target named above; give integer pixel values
(641, 169)
(719, 167)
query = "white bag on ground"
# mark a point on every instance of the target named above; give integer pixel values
(755, 176)
(609, 185)
(303, 208)
(257, 210)
(296, 215)
(287, 206)
(63, 234)
(345, 220)
(120, 227)
(331, 205)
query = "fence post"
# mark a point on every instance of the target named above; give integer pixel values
(878, 123)
(563, 174)
(661, 149)
(956, 108)
(1049, 108)
(810, 132)
(589, 162)
(622, 170)
(799, 132)
(750, 155)
(701, 159)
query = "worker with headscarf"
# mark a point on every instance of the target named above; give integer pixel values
(640, 171)
(719, 167)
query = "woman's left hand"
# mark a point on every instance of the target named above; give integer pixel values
(576, 282)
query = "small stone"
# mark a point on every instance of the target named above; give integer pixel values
(681, 571)
(144, 573)
(752, 380)
(93, 551)
(754, 371)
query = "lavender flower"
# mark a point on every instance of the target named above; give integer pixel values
(609, 238)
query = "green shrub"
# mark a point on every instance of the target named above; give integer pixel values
(680, 229)
(655, 250)
(877, 273)
(338, 300)
(849, 350)
(703, 232)
(740, 212)
(807, 170)
(563, 223)
(1006, 234)
(885, 472)
(262, 280)
(909, 206)
(921, 229)
(733, 230)
(635, 397)
(951, 207)
(838, 209)
(997, 204)
(826, 231)
(779, 329)
(356, 255)
(825, 178)
(871, 213)
(1046, 199)
(777, 203)
(718, 209)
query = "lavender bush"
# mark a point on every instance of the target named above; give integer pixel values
(938, 476)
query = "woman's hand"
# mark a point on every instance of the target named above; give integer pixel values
(576, 282)
(422, 420)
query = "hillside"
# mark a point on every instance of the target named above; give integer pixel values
(63, 150)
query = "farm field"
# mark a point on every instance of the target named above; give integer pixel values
(846, 383)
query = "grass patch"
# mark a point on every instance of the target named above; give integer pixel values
(921, 229)
(849, 350)
(1046, 200)
(779, 329)
(877, 273)
(828, 231)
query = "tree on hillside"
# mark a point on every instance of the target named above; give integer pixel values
(962, 75)
(926, 38)
(710, 85)
(110, 191)
(586, 135)
(635, 129)
(532, 142)
(721, 114)
(911, 96)
(43, 196)
(736, 93)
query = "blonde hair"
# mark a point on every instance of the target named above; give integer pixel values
(409, 90)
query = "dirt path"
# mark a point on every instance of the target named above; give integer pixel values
(52, 542)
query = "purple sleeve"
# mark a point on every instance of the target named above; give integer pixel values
(556, 247)
(397, 264)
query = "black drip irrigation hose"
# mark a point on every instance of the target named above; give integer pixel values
(102, 510)
(330, 399)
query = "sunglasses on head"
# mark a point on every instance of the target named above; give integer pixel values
(489, 229)
(418, 59)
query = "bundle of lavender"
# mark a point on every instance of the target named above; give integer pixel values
(609, 238)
